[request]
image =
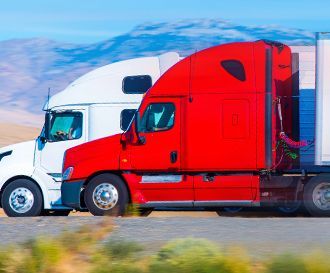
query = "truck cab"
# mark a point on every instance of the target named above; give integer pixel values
(100, 103)
(214, 131)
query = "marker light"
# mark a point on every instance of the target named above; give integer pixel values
(67, 174)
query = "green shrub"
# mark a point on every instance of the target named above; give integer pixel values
(121, 249)
(188, 256)
(286, 263)
(237, 261)
(40, 255)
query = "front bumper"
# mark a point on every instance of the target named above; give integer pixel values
(71, 194)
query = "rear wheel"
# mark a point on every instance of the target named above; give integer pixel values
(106, 194)
(290, 208)
(317, 196)
(22, 198)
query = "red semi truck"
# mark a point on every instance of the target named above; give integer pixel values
(212, 132)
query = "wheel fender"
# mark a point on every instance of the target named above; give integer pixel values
(46, 183)
(12, 171)
(319, 177)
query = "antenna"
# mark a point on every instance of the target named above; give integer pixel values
(48, 99)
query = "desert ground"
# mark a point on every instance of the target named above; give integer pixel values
(11, 133)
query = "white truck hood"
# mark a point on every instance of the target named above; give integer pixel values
(22, 154)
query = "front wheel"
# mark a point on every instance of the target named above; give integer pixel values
(106, 194)
(317, 196)
(22, 198)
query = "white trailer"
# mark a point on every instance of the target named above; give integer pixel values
(322, 126)
(98, 104)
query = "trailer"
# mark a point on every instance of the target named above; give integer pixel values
(99, 103)
(221, 128)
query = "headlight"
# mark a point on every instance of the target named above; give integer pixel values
(67, 174)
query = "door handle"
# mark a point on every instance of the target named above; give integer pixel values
(174, 156)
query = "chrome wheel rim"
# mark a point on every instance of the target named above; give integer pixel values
(321, 196)
(21, 200)
(105, 196)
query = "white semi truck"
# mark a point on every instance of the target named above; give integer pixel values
(98, 104)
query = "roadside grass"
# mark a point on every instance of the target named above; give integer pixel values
(88, 250)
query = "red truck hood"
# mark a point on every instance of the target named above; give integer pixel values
(101, 154)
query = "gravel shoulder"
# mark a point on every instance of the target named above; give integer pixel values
(260, 236)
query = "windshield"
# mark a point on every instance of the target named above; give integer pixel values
(65, 126)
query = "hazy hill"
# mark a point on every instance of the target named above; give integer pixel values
(28, 67)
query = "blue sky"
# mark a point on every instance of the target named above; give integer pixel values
(88, 21)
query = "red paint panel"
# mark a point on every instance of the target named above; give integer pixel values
(225, 188)
(150, 191)
(94, 156)
(221, 133)
(236, 119)
(209, 76)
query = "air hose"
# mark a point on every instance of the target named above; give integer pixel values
(283, 136)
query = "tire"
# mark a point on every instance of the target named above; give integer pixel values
(63, 212)
(317, 196)
(22, 198)
(290, 208)
(106, 194)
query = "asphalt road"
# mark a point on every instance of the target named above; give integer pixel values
(258, 235)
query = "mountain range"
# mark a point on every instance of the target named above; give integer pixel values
(28, 67)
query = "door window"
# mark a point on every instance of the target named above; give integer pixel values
(65, 126)
(157, 117)
(126, 117)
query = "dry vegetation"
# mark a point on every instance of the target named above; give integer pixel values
(12, 133)
(90, 250)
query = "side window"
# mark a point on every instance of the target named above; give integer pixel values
(126, 117)
(157, 117)
(136, 84)
(65, 126)
(234, 68)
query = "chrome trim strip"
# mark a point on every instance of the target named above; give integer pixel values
(161, 179)
(190, 204)
(224, 203)
(158, 204)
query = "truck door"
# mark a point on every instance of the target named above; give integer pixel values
(157, 156)
(66, 129)
(159, 148)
